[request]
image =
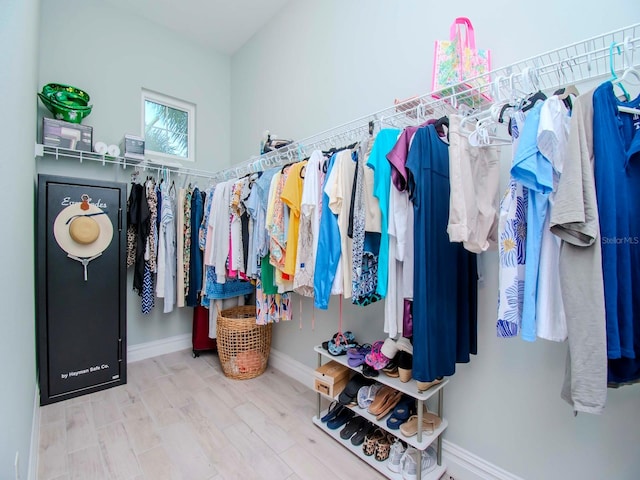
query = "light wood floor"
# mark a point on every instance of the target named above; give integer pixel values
(179, 417)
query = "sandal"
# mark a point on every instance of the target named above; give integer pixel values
(367, 394)
(356, 355)
(422, 386)
(389, 405)
(340, 343)
(383, 448)
(391, 369)
(339, 420)
(352, 427)
(405, 363)
(371, 441)
(365, 430)
(375, 358)
(402, 411)
(334, 409)
(381, 397)
(349, 394)
(368, 371)
(430, 422)
(385, 400)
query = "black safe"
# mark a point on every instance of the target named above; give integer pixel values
(81, 289)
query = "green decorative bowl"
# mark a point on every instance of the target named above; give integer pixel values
(66, 102)
(61, 91)
(64, 112)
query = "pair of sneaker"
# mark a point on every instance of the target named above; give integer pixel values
(407, 459)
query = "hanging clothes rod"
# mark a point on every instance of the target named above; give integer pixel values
(575, 63)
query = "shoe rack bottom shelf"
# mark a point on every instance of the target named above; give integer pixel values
(379, 466)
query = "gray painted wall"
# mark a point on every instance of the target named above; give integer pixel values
(112, 55)
(18, 75)
(324, 63)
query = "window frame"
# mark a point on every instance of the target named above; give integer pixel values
(177, 104)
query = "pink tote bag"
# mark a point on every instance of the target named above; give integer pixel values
(456, 60)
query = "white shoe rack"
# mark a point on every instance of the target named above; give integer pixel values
(420, 441)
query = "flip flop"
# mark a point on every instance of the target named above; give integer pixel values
(339, 420)
(430, 422)
(334, 409)
(356, 356)
(389, 405)
(352, 427)
(382, 396)
(366, 429)
(350, 391)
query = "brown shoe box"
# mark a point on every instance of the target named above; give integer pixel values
(331, 378)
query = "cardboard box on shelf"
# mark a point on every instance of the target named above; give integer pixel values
(331, 378)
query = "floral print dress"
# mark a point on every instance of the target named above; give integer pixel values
(512, 231)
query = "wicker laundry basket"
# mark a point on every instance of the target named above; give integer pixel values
(243, 346)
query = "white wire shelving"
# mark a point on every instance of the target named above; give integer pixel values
(587, 60)
(576, 63)
(140, 166)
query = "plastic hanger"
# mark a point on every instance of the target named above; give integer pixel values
(565, 93)
(523, 106)
(333, 150)
(630, 74)
(614, 76)
(532, 100)
(485, 135)
(442, 121)
(514, 96)
(503, 110)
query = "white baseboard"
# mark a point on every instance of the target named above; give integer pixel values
(291, 367)
(464, 465)
(35, 437)
(461, 464)
(155, 348)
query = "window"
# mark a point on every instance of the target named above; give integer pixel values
(168, 126)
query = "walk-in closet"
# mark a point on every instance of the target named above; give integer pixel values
(293, 240)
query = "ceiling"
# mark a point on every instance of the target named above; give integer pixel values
(223, 25)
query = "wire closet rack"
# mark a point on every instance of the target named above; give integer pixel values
(587, 60)
(578, 62)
